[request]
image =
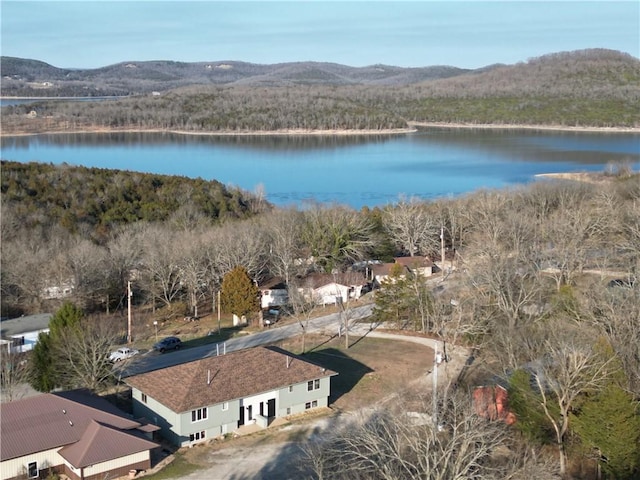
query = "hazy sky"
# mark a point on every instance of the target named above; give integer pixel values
(471, 34)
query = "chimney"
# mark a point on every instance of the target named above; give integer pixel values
(208, 377)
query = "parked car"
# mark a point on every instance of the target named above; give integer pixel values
(122, 354)
(168, 343)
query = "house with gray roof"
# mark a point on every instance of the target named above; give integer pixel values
(21, 334)
(74, 433)
(204, 399)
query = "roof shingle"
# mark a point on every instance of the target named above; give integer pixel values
(53, 420)
(217, 379)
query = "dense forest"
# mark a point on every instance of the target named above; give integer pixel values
(584, 88)
(95, 201)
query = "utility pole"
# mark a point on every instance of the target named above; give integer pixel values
(442, 247)
(437, 358)
(218, 312)
(129, 295)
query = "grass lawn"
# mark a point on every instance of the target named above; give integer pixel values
(369, 370)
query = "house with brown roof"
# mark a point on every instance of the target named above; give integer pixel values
(75, 433)
(417, 264)
(329, 289)
(401, 267)
(204, 399)
(386, 272)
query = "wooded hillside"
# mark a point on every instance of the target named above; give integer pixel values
(585, 88)
(95, 201)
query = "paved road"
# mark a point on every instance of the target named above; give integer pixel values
(154, 360)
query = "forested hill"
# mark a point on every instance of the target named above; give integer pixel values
(594, 88)
(94, 201)
(32, 78)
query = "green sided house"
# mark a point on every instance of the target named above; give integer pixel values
(74, 433)
(200, 400)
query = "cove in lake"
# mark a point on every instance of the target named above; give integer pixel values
(370, 170)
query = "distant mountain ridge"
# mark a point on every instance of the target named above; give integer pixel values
(21, 76)
(595, 87)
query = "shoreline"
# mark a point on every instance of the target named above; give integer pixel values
(413, 127)
(508, 126)
(255, 133)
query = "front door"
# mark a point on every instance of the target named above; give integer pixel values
(271, 408)
(241, 421)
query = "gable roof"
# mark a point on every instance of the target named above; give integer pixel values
(100, 443)
(53, 420)
(213, 380)
(385, 269)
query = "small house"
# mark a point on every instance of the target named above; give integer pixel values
(273, 293)
(386, 272)
(21, 334)
(329, 289)
(417, 264)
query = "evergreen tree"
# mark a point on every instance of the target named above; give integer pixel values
(608, 424)
(42, 370)
(240, 295)
(524, 402)
(45, 364)
(393, 299)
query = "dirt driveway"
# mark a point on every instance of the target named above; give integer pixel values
(388, 361)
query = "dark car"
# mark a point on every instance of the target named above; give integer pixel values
(169, 343)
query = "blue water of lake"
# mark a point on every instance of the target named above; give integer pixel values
(351, 170)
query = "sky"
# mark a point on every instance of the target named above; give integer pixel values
(418, 33)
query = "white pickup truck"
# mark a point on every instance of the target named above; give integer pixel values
(122, 354)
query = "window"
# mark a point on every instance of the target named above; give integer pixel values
(314, 404)
(288, 410)
(32, 469)
(313, 385)
(199, 414)
(309, 405)
(225, 406)
(195, 437)
(143, 397)
(290, 388)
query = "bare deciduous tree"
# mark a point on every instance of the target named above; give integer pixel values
(564, 365)
(283, 230)
(412, 227)
(83, 353)
(14, 373)
(389, 444)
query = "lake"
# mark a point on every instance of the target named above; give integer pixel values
(371, 170)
